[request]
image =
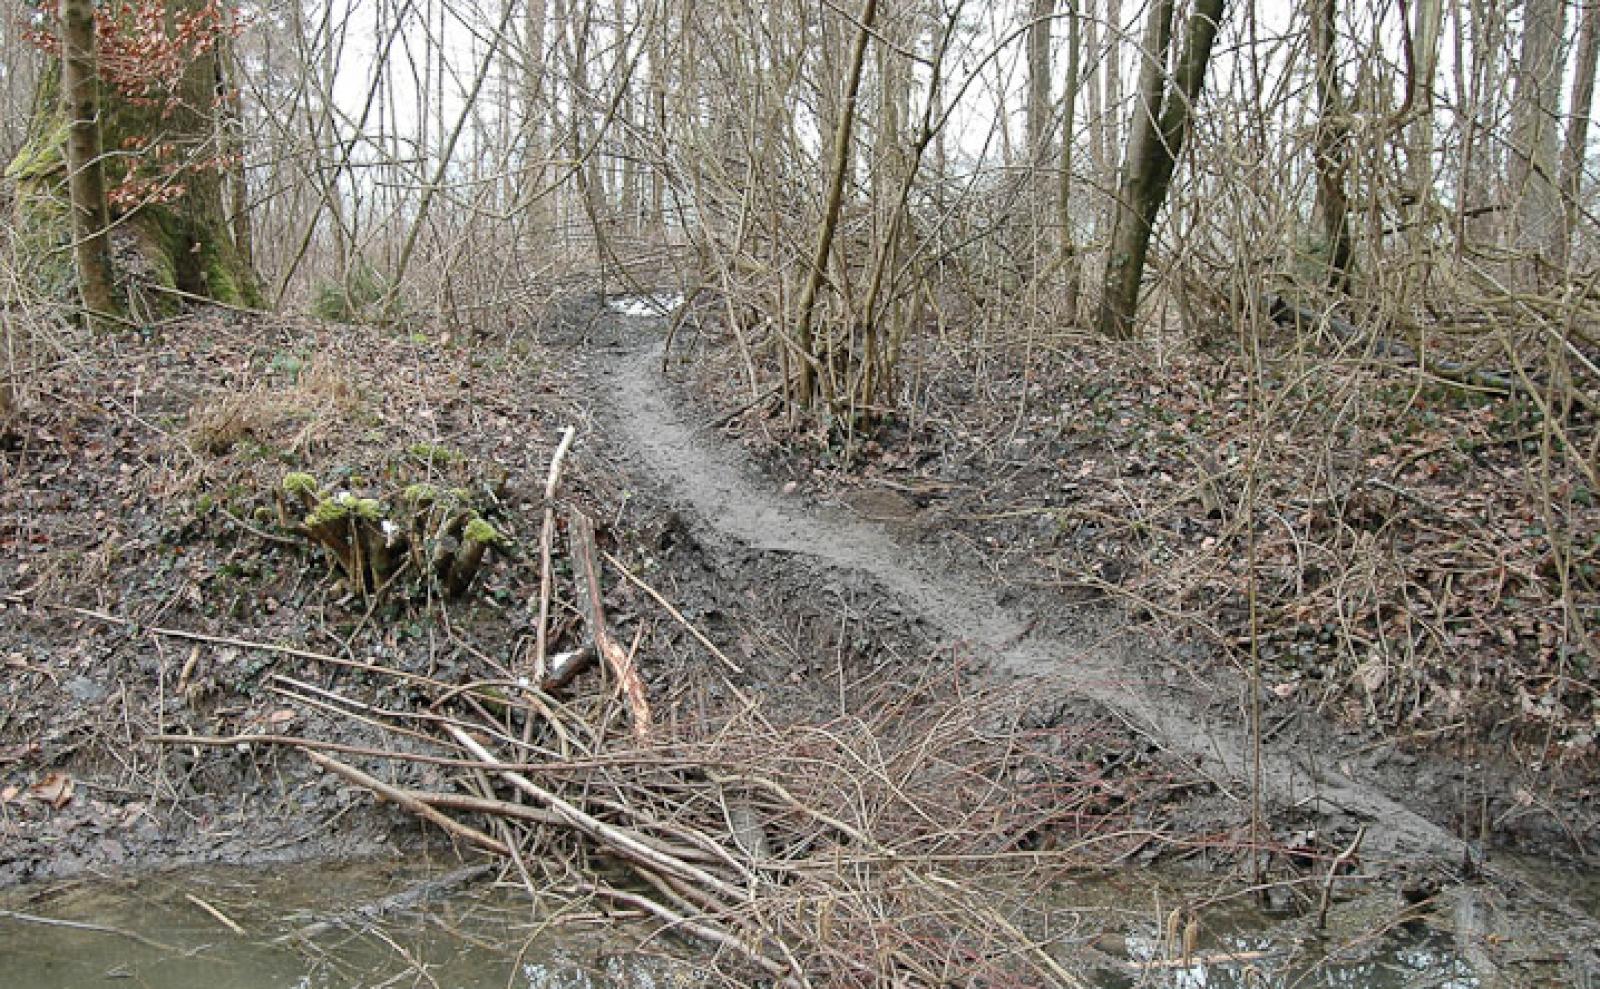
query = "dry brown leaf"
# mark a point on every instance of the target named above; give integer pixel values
(55, 789)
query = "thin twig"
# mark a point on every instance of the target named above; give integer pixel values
(78, 925)
(1333, 871)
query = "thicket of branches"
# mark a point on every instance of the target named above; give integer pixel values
(858, 188)
(855, 192)
(839, 171)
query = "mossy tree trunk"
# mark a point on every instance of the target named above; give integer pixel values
(80, 82)
(164, 167)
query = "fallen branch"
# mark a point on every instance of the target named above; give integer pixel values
(1288, 313)
(677, 616)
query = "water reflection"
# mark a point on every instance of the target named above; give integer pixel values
(1410, 957)
(168, 933)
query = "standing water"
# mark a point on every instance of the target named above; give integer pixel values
(301, 928)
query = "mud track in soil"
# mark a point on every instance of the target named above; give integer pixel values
(731, 511)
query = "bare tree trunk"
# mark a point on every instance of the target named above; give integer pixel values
(656, 86)
(234, 144)
(806, 383)
(1099, 160)
(1130, 223)
(18, 83)
(587, 150)
(1424, 70)
(576, 19)
(1113, 106)
(627, 197)
(1479, 102)
(534, 146)
(1577, 137)
(1069, 120)
(941, 153)
(1038, 108)
(1534, 134)
(1155, 137)
(80, 86)
(1332, 146)
(327, 139)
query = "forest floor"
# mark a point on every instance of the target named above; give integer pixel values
(1418, 550)
(988, 545)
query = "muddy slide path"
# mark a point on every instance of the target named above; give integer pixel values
(731, 510)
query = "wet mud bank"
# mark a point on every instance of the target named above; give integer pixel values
(1051, 650)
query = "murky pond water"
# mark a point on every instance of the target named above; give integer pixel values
(296, 931)
(291, 928)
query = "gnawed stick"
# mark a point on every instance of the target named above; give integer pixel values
(564, 667)
(546, 538)
(216, 914)
(677, 615)
(628, 681)
(409, 802)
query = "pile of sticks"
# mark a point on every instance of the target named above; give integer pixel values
(911, 842)
(904, 838)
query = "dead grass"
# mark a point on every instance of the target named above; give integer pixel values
(292, 418)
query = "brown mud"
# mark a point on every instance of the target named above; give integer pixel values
(1087, 656)
(791, 588)
(1052, 650)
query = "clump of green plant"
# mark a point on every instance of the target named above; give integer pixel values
(359, 298)
(434, 534)
(433, 454)
(444, 521)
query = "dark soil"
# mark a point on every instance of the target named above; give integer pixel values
(150, 590)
